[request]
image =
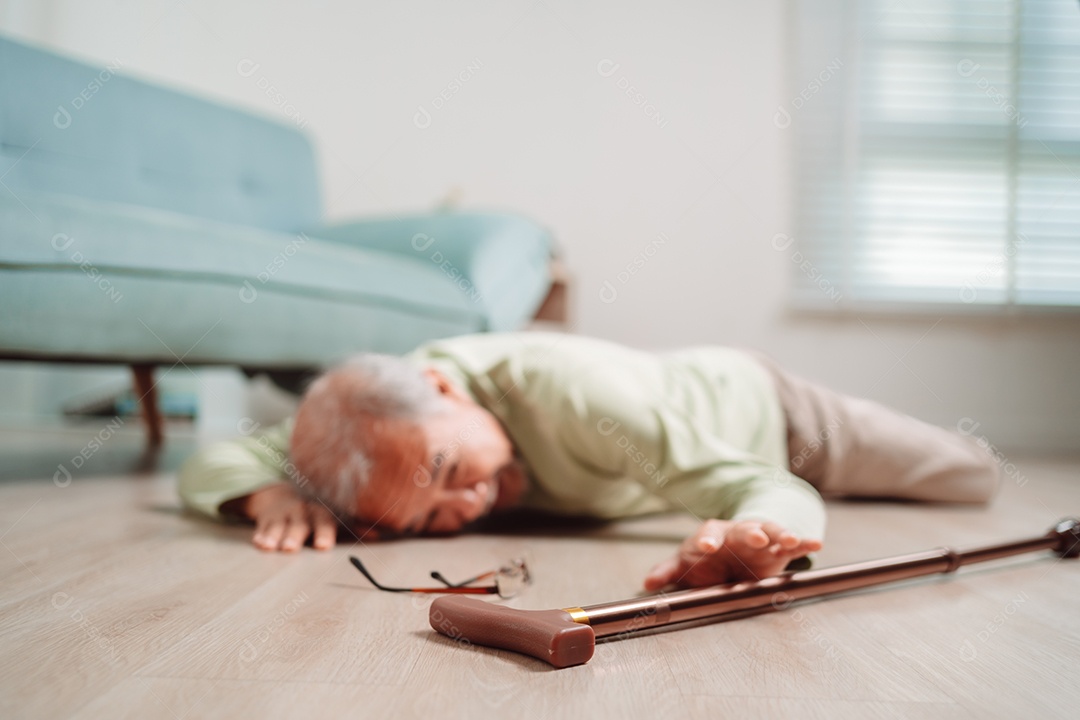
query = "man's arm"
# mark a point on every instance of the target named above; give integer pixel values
(247, 477)
(756, 516)
(232, 469)
(761, 520)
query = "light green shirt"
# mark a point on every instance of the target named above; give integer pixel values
(605, 431)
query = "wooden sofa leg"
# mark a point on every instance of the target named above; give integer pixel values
(147, 394)
(556, 306)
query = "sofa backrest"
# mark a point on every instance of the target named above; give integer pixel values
(71, 128)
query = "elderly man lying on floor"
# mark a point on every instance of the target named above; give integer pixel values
(460, 428)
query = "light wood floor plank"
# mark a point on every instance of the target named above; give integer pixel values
(139, 698)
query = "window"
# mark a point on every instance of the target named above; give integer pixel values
(938, 153)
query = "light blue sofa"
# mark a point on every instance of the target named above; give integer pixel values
(143, 226)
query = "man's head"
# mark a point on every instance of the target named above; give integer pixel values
(382, 440)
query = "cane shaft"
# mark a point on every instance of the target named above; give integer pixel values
(567, 637)
(630, 615)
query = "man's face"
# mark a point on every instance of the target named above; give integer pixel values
(443, 473)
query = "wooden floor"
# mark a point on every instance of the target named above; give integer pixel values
(116, 604)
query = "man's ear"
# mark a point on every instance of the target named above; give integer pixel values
(444, 385)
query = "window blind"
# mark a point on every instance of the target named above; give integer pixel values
(938, 153)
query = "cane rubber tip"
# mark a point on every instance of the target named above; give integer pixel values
(1068, 532)
(549, 635)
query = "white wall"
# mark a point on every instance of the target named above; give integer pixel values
(538, 128)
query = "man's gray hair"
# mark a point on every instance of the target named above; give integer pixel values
(332, 440)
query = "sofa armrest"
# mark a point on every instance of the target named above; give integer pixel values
(501, 262)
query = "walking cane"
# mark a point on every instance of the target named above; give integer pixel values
(567, 637)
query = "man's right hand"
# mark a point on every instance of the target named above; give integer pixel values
(724, 551)
(284, 520)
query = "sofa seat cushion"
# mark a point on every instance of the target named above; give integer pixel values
(94, 280)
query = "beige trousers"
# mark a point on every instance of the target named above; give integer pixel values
(846, 446)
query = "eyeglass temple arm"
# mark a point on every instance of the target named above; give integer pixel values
(450, 589)
(439, 576)
(363, 570)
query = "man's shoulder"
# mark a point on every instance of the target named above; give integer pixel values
(542, 368)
